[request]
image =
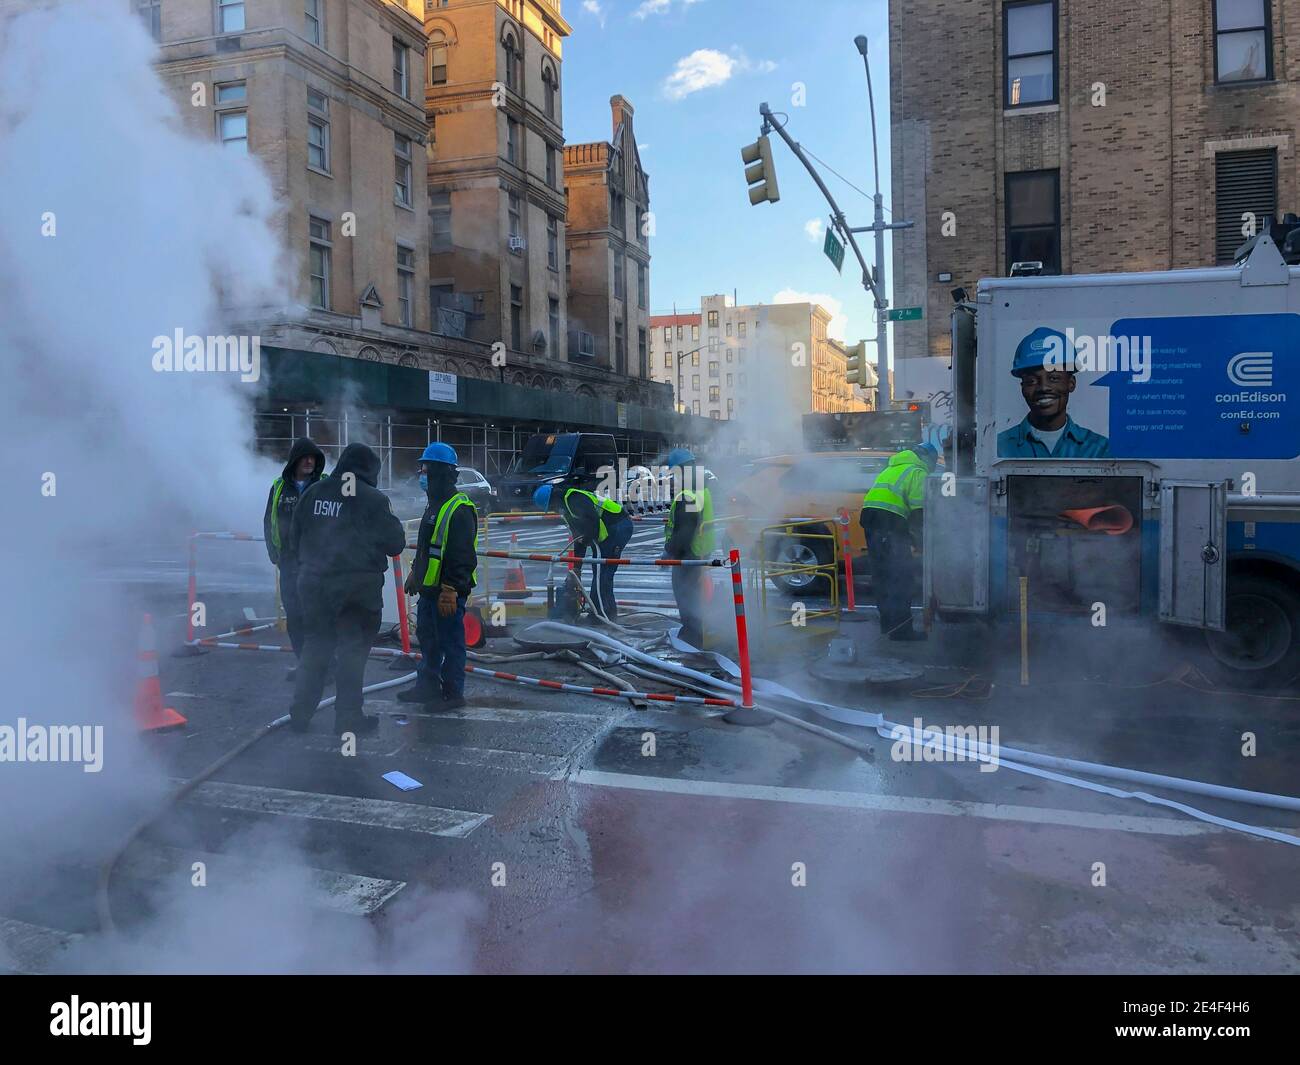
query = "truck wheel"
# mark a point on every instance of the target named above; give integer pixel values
(792, 551)
(1260, 647)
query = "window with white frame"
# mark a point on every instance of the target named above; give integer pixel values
(232, 92)
(402, 169)
(321, 251)
(405, 285)
(230, 16)
(318, 130)
(232, 127)
(313, 26)
(515, 221)
(401, 69)
(437, 58)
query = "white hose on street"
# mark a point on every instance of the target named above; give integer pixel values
(1013, 758)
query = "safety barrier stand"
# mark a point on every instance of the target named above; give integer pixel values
(404, 621)
(746, 713)
(191, 645)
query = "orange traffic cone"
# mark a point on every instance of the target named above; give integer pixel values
(150, 714)
(516, 584)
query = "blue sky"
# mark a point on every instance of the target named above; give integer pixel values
(696, 70)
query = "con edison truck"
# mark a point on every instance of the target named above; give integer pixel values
(1130, 442)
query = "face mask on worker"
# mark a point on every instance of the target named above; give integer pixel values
(438, 478)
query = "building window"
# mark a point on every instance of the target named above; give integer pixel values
(549, 87)
(713, 343)
(439, 221)
(679, 332)
(695, 332)
(512, 140)
(314, 30)
(150, 12)
(553, 243)
(668, 360)
(713, 319)
(230, 16)
(641, 295)
(728, 329)
(731, 407)
(551, 168)
(695, 406)
(1029, 53)
(713, 370)
(695, 357)
(618, 275)
(512, 59)
(729, 354)
(516, 318)
(617, 209)
(513, 217)
(568, 266)
(437, 58)
(714, 394)
(740, 328)
(1245, 190)
(553, 315)
(729, 381)
(643, 358)
(405, 285)
(318, 130)
(233, 129)
(402, 169)
(695, 382)
(643, 225)
(1243, 41)
(1034, 219)
(620, 350)
(319, 231)
(232, 92)
(401, 69)
(668, 334)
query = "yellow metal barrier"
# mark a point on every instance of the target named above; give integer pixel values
(771, 567)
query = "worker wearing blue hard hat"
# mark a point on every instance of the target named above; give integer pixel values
(689, 534)
(595, 523)
(444, 572)
(1044, 363)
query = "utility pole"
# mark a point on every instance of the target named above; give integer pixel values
(872, 280)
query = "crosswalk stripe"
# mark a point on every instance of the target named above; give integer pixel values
(357, 896)
(317, 806)
(545, 765)
(30, 948)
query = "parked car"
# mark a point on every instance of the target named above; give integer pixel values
(409, 499)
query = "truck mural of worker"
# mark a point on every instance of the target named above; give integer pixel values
(1045, 365)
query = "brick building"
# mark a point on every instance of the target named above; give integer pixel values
(1091, 137)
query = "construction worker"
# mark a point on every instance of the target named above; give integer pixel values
(443, 573)
(306, 466)
(343, 532)
(891, 517)
(594, 523)
(688, 534)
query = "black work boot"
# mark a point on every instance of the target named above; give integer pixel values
(361, 725)
(451, 701)
(419, 693)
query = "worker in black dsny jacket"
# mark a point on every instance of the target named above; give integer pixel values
(344, 531)
(305, 466)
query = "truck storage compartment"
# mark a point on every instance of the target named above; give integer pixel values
(1078, 540)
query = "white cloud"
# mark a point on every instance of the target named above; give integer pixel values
(651, 7)
(839, 321)
(707, 67)
(592, 7)
(702, 69)
(813, 228)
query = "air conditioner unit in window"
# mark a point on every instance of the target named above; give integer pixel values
(516, 243)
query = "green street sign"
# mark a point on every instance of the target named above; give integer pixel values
(834, 250)
(904, 314)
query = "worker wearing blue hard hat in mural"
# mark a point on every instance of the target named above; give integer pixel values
(444, 572)
(1044, 363)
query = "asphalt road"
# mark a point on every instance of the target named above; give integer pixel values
(560, 833)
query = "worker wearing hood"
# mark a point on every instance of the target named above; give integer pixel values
(344, 532)
(306, 466)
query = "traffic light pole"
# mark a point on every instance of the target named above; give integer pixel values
(872, 281)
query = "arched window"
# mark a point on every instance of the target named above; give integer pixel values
(550, 87)
(514, 58)
(437, 58)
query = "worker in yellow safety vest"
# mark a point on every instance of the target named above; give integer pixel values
(688, 534)
(892, 512)
(443, 573)
(596, 524)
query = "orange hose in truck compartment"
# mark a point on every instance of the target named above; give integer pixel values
(1112, 519)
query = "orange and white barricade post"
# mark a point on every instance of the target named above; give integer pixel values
(746, 713)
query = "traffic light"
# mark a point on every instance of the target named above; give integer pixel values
(856, 371)
(759, 171)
